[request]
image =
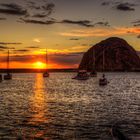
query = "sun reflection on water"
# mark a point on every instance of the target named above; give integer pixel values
(38, 106)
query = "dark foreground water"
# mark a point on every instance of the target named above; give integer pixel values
(59, 108)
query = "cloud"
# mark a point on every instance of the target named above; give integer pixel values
(42, 15)
(138, 36)
(85, 23)
(136, 23)
(22, 50)
(102, 23)
(10, 43)
(2, 18)
(12, 9)
(33, 21)
(36, 40)
(49, 7)
(125, 7)
(74, 39)
(33, 47)
(3, 47)
(96, 32)
(105, 3)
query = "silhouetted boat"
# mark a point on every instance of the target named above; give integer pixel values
(0, 78)
(8, 76)
(117, 134)
(103, 81)
(93, 72)
(82, 75)
(46, 73)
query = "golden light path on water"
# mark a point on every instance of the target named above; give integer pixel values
(38, 105)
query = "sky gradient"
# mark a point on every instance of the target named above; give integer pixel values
(67, 28)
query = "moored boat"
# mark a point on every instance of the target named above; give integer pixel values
(82, 75)
(8, 76)
(0, 77)
(103, 81)
(46, 73)
(93, 71)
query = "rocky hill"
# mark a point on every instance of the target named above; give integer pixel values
(118, 56)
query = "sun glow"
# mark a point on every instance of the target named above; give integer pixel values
(39, 65)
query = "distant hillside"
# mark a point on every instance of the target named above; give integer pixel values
(118, 56)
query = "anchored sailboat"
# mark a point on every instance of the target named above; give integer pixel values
(46, 73)
(8, 76)
(103, 81)
(0, 78)
(93, 71)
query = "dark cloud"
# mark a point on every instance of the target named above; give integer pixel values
(74, 39)
(22, 50)
(102, 24)
(49, 8)
(10, 43)
(105, 3)
(40, 15)
(85, 23)
(2, 18)
(3, 47)
(136, 23)
(138, 36)
(33, 5)
(33, 21)
(125, 7)
(33, 47)
(13, 9)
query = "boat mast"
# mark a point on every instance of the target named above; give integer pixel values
(103, 59)
(46, 59)
(8, 62)
(94, 59)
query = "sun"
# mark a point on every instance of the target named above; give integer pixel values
(39, 65)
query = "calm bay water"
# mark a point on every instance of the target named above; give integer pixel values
(59, 108)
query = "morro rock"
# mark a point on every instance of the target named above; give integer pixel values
(115, 53)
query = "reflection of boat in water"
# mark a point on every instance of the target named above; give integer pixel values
(82, 75)
(46, 73)
(8, 76)
(93, 72)
(103, 81)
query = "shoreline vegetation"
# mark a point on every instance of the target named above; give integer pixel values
(26, 70)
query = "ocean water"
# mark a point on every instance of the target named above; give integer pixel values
(59, 108)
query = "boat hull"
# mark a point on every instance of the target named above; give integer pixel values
(103, 82)
(8, 77)
(0, 78)
(46, 74)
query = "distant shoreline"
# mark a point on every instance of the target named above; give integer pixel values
(55, 70)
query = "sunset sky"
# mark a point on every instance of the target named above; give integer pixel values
(67, 28)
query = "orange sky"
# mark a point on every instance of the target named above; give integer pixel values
(65, 28)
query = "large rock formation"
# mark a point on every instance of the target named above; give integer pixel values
(118, 56)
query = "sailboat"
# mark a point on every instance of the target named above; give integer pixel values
(103, 81)
(93, 72)
(46, 73)
(0, 78)
(8, 76)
